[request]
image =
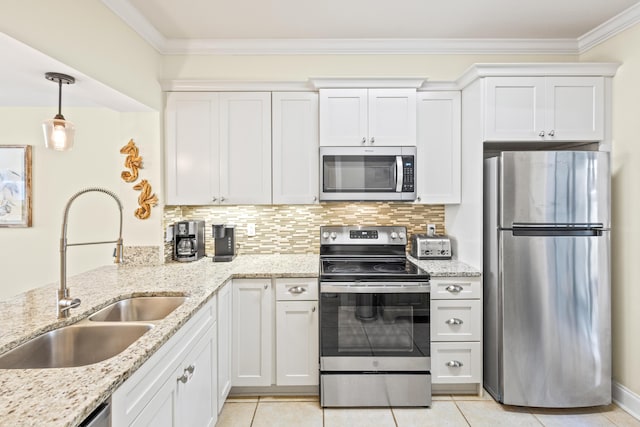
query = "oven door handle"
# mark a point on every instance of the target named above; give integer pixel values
(375, 288)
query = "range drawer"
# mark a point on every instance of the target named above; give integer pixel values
(456, 288)
(456, 362)
(297, 289)
(456, 320)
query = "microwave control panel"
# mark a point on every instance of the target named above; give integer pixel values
(409, 173)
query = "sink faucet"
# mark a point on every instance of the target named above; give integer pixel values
(65, 302)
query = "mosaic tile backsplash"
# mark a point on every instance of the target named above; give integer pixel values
(296, 228)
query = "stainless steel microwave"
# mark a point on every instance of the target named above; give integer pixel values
(368, 173)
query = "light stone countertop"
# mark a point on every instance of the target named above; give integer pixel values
(446, 267)
(66, 396)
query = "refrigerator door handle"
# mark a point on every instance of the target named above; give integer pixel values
(542, 231)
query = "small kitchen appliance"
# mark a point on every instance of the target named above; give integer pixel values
(374, 320)
(188, 240)
(224, 242)
(424, 246)
(368, 173)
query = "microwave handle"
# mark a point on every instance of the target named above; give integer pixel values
(399, 174)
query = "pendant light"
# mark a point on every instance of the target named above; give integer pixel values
(58, 132)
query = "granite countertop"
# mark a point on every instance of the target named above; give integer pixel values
(66, 396)
(446, 267)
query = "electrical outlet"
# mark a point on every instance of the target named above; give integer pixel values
(169, 236)
(431, 229)
(251, 229)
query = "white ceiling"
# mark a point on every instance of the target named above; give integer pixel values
(200, 26)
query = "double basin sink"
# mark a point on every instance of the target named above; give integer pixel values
(102, 335)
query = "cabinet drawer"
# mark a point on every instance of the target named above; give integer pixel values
(456, 288)
(294, 289)
(456, 320)
(458, 362)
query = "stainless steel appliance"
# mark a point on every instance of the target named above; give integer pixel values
(547, 332)
(224, 242)
(424, 246)
(374, 320)
(188, 240)
(367, 173)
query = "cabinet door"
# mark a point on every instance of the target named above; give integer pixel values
(297, 343)
(514, 109)
(343, 117)
(192, 148)
(196, 384)
(456, 320)
(160, 411)
(575, 108)
(295, 147)
(245, 148)
(224, 343)
(392, 117)
(456, 362)
(438, 163)
(252, 332)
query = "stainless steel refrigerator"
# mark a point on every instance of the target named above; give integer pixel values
(547, 315)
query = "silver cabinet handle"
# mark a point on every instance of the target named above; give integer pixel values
(315, 198)
(454, 364)
(552, 132)
(266, 287)
(454, 289)
(541, 134)
(222, 199)
(373, 140)
(297, 290)
(364, 140)
(313, 309)
(184, 377)
(214, 199)
(454, 321)
(190, 369)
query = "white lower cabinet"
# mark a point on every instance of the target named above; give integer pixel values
(252, 334)
(456, 331)
(225, 308)
(297, 332)
(177, 385)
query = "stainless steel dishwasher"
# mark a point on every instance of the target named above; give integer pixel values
(101, 417)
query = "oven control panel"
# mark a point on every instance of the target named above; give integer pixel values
(363, 235)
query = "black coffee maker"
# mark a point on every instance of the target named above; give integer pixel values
(224, 242)
(188, 240)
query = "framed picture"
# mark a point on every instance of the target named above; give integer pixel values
(15, 186)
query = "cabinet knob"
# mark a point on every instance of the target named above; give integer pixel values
(454, 289)
(373, 140)
(184, 377)
(454, 321)
(214, 199)
(313, 309)
(191, 368)
(222, 199)
(266, 287)
(454, 364)
(296, 290)
(541, 134)
(364, 140)
(552, 132)
(315, 198)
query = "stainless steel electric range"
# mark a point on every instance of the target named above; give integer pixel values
(374, 320)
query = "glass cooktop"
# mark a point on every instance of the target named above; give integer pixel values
(371, 269)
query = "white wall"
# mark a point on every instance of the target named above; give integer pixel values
(30, 255)
(625, 237)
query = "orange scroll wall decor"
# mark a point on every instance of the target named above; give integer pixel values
(146, 199)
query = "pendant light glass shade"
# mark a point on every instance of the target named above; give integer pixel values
(58, 132)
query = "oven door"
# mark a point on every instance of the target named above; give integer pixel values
(367, 173)
(374, 327)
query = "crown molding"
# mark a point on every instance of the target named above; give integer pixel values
(610, 28)
(138, 23)
(132, 17)
(368, 46)
(366, 82)
(230, 85)
(538, 69)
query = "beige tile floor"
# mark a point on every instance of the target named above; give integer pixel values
(446, 411)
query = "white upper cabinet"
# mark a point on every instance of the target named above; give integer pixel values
(245, 148)
(544, 109)
(295, 147)
(438, 148)
(192, 147)
(218, 148)
(356, 117)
